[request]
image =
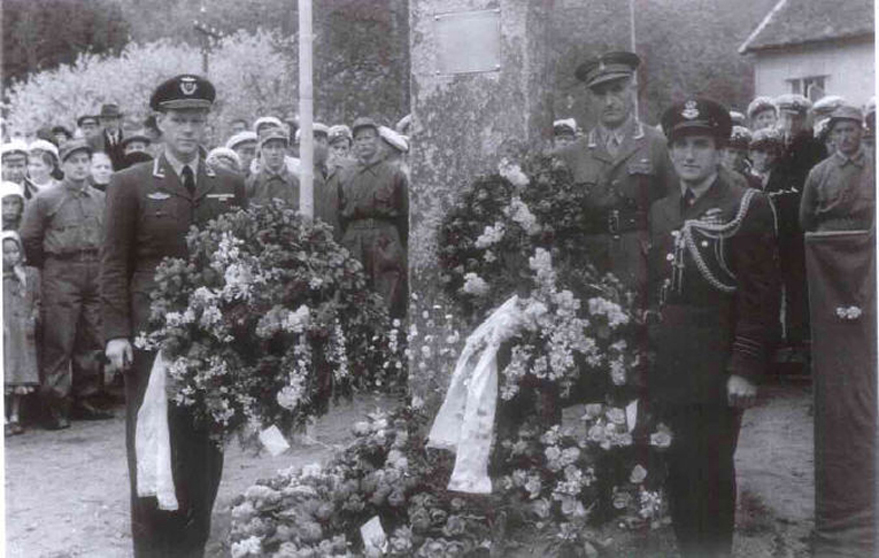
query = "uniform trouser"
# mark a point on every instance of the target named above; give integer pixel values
(197, 465)
(71, 327)
(701, 481)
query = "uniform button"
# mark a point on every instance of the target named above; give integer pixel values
(669, 256)
(704, 244)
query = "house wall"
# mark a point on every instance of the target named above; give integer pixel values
(850, 68)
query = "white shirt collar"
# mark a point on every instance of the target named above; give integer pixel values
(699, 189)
(177, 165)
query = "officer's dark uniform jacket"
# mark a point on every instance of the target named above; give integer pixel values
(717, 292)
(148, 214)
(621, 189)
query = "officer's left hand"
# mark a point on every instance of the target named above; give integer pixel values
(740, 392)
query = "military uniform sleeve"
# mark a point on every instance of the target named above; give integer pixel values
(807, 202)
(754, 260)
(31, 231)
(117, 256)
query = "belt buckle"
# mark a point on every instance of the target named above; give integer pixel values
(613, 222)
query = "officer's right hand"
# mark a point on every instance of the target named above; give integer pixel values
(120, 354)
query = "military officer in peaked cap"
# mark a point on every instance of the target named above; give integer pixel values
(150, 207)
(624, 167)
(714, 288)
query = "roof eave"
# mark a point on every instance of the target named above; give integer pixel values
(747, 49)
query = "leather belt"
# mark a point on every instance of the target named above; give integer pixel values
(616, 222)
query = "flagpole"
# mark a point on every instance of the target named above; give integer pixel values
(306, 111)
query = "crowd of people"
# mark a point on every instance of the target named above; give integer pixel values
(702, 218)
(53, 195)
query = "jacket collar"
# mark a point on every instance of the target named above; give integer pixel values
(171, 182)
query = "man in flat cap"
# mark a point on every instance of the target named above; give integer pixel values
(373, 209)
(61, 232)
(801, 152)
(14, 156)
(564, 132)
(624, 167)
(150, 208)
(274, 180)
(90, 127)
(762, 113)
(714, 284)
(735, 154)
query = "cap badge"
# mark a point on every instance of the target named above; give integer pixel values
(690, 111)
(188, 85)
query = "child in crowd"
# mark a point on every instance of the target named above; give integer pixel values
(12, 196)
(21, 312)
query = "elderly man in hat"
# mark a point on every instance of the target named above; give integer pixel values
(714, 284)
(111, 134)
(150, 208)
(61, 233)
(624, 167)
(373, 211)
(762, 113)
(274, 180)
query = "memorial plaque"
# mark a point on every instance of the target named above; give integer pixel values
(468, 42)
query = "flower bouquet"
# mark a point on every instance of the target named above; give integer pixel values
(267, 320)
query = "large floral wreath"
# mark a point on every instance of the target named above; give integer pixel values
(266, 320)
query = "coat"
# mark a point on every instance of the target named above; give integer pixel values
(148, 213)
(21, 314)
(374, 215)
(620, 192)
(717, 323)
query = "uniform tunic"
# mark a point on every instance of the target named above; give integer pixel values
(267, 185)
(374, 216)
(148, 214)
(840, 194)
(707, 333)
(620, 190)
(61, 233)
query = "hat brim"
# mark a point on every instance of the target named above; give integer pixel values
(85, 148)
(608, 77)
(14, 152)
(183, 104)
(698, 128)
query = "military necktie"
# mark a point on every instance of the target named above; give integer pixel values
(613, 146)
(689, 199)
(188, 180)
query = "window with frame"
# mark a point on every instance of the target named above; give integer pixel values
(804, 85)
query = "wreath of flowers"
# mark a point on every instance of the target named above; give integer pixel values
(267, 320)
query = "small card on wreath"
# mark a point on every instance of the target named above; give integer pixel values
(374, 537)
(274, 441)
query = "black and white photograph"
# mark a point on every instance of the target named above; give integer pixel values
(439, 278)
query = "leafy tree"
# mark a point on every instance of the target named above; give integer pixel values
(41, 34)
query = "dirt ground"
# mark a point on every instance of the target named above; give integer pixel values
(67, 492)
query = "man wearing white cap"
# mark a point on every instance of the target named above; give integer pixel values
(14, 158)
(564, 132)
(244, 144)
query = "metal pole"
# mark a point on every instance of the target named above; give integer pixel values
(306, 112)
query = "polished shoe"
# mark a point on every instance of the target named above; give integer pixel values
(86, 411)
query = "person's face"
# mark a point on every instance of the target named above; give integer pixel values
(13, 206)
(15, 168)
(765, 119)
(763, 159)
(61, 137)
(38, 169)
(340, 149)
(273, 152)
(101, 168)
(182, 130)
(238, 126)
(11, 253)
(791, 123)
(695, 157)
(246, 152)
(321, 149)
(366, 144)
(77, 166)
(89, 129)
(734, 157)
(562, 140)
(110, 123)
(846, 136)
(135, 145)
(614, 101)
